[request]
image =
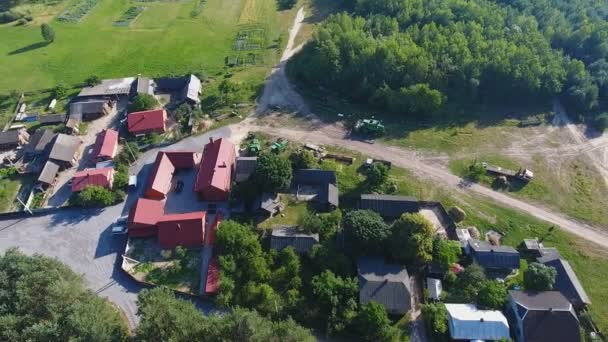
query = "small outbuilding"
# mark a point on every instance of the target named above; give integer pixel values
(90, 109)
(192, 90)
(93, 177)
(146, 122)
(52, 119)
(39, 143)
(434, 288)
(494, 257)
(106, 145)
(144, 216)
(48, 174)
(283, 237)
(65, 150)
(13, 138)
(268, 204)
(245, 167)
(389, 206)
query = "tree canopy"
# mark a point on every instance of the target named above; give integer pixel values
(412, 239)
(492, 295)
(372, 324)
(47, 33)
(539, 277)
(337, 298)
(143, 102)
(273, 172)
(365, 232)
(41, 299)
(446, 252)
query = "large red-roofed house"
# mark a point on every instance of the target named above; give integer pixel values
(146, 122)
(186, 230)
(214, 177)
(106, 145)
(144, 216)
(100, 177)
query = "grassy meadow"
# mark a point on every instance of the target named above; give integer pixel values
(164, 39)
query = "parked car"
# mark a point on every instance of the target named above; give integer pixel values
(119, 227)
(179, 186)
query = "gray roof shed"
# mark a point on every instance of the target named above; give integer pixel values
(289, 236)
(389, 206)
(49, 172)
(65, 148)
(245, 167)
(388, 285)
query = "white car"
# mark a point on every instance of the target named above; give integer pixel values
(120, 226)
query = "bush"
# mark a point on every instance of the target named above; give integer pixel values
(93, 196)
(93, 80)
(601, 122)
(10, 16)
(143, 102)
(475, 172)
(21, 22)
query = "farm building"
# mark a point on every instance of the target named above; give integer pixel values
(192, 90)
(214, 178)
(52, 119)
(388, 285)
(143, 217)
(389, 206)
(93, 177)
(118, 87)
(568, 284)
(39, 143)
(48, 174)
(494, 257)
(106, 145)
(65, 150)
(13, 138)
(186, 230)
(543, 317)
(466, 322)
(284, 237)
(90, 110)
(159, 181)
(144, 85)
(145, 122)
(325, 186)
(245, 167)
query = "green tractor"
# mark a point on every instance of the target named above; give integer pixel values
(279, 145)
(371, 127)
(254, 147)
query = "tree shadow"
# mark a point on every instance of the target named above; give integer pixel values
(29, 48)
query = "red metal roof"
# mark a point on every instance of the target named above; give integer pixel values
(214, 177)
(186, 230)
(211, 234)
(183, 160)
(147, 121)
(145, 212)
(106, 144)
(212, 285)
(101, 177)
(159, 182)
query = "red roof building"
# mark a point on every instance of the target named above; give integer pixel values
(100, 177)
(159, 182)
(106, 145)
(186, 230)
(143, 217)
(146, 122)
(183, 160)
(211, 233)
(212, 285)
(214, 177)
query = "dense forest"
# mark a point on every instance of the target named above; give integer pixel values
(411, 57)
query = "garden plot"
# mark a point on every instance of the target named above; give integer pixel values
(77, 11)
(250, 37)
(129, 16)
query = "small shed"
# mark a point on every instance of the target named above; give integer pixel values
(389, 206)
(494, 257)
(245, 167)
(268, 204)
(48, 174)
(434, 287)
(289, 236)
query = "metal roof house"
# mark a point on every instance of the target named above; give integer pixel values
(143, 217)
(284, 237)
(466, 322)
(494, 257)
(65, 150)
(389, 206)
(93, 177)
(568, 284)
(146, 122)
(186, 230)
(245, 167)
(13, 138)
(388, 285)
(542, 317)
(106, 145)
(214, 178)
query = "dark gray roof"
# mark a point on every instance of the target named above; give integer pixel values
(268, 202)
(388, 285)
(245, 167)
(52, 118)
(10, 137)
(49, 172)
(39, 141)
(65, 147)
(532, 244)
(87, 107)
(329, 194)
(546, 316)
(388, 205)
(283, 237)
(497, 257)
(314, 177)
(485, 246)
(567, 283)
(548, 254)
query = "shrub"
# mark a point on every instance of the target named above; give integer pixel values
(93, 196)
(143, 102)
(601, 122)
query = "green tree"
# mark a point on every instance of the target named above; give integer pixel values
(475, 172)
(412, 239)
(436, 319)
(372, 324)
(446, 252)
(601, 122)
(273, 173)
(92, 80)
(303, 159)
(326, 256)
(93, 196)
(325, 224)
(365, 232)
(60, 91)
(337, 298)
(47, 33)
(143, 102)
(492, 295)
(286, 4)
(41, 299)
(377, 175)
(468, 284)
(539, 277)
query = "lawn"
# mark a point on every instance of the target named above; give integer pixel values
(293, 211)
(8, 191)
(165, 39)
(574, 188)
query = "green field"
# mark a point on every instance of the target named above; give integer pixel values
(164, 39)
